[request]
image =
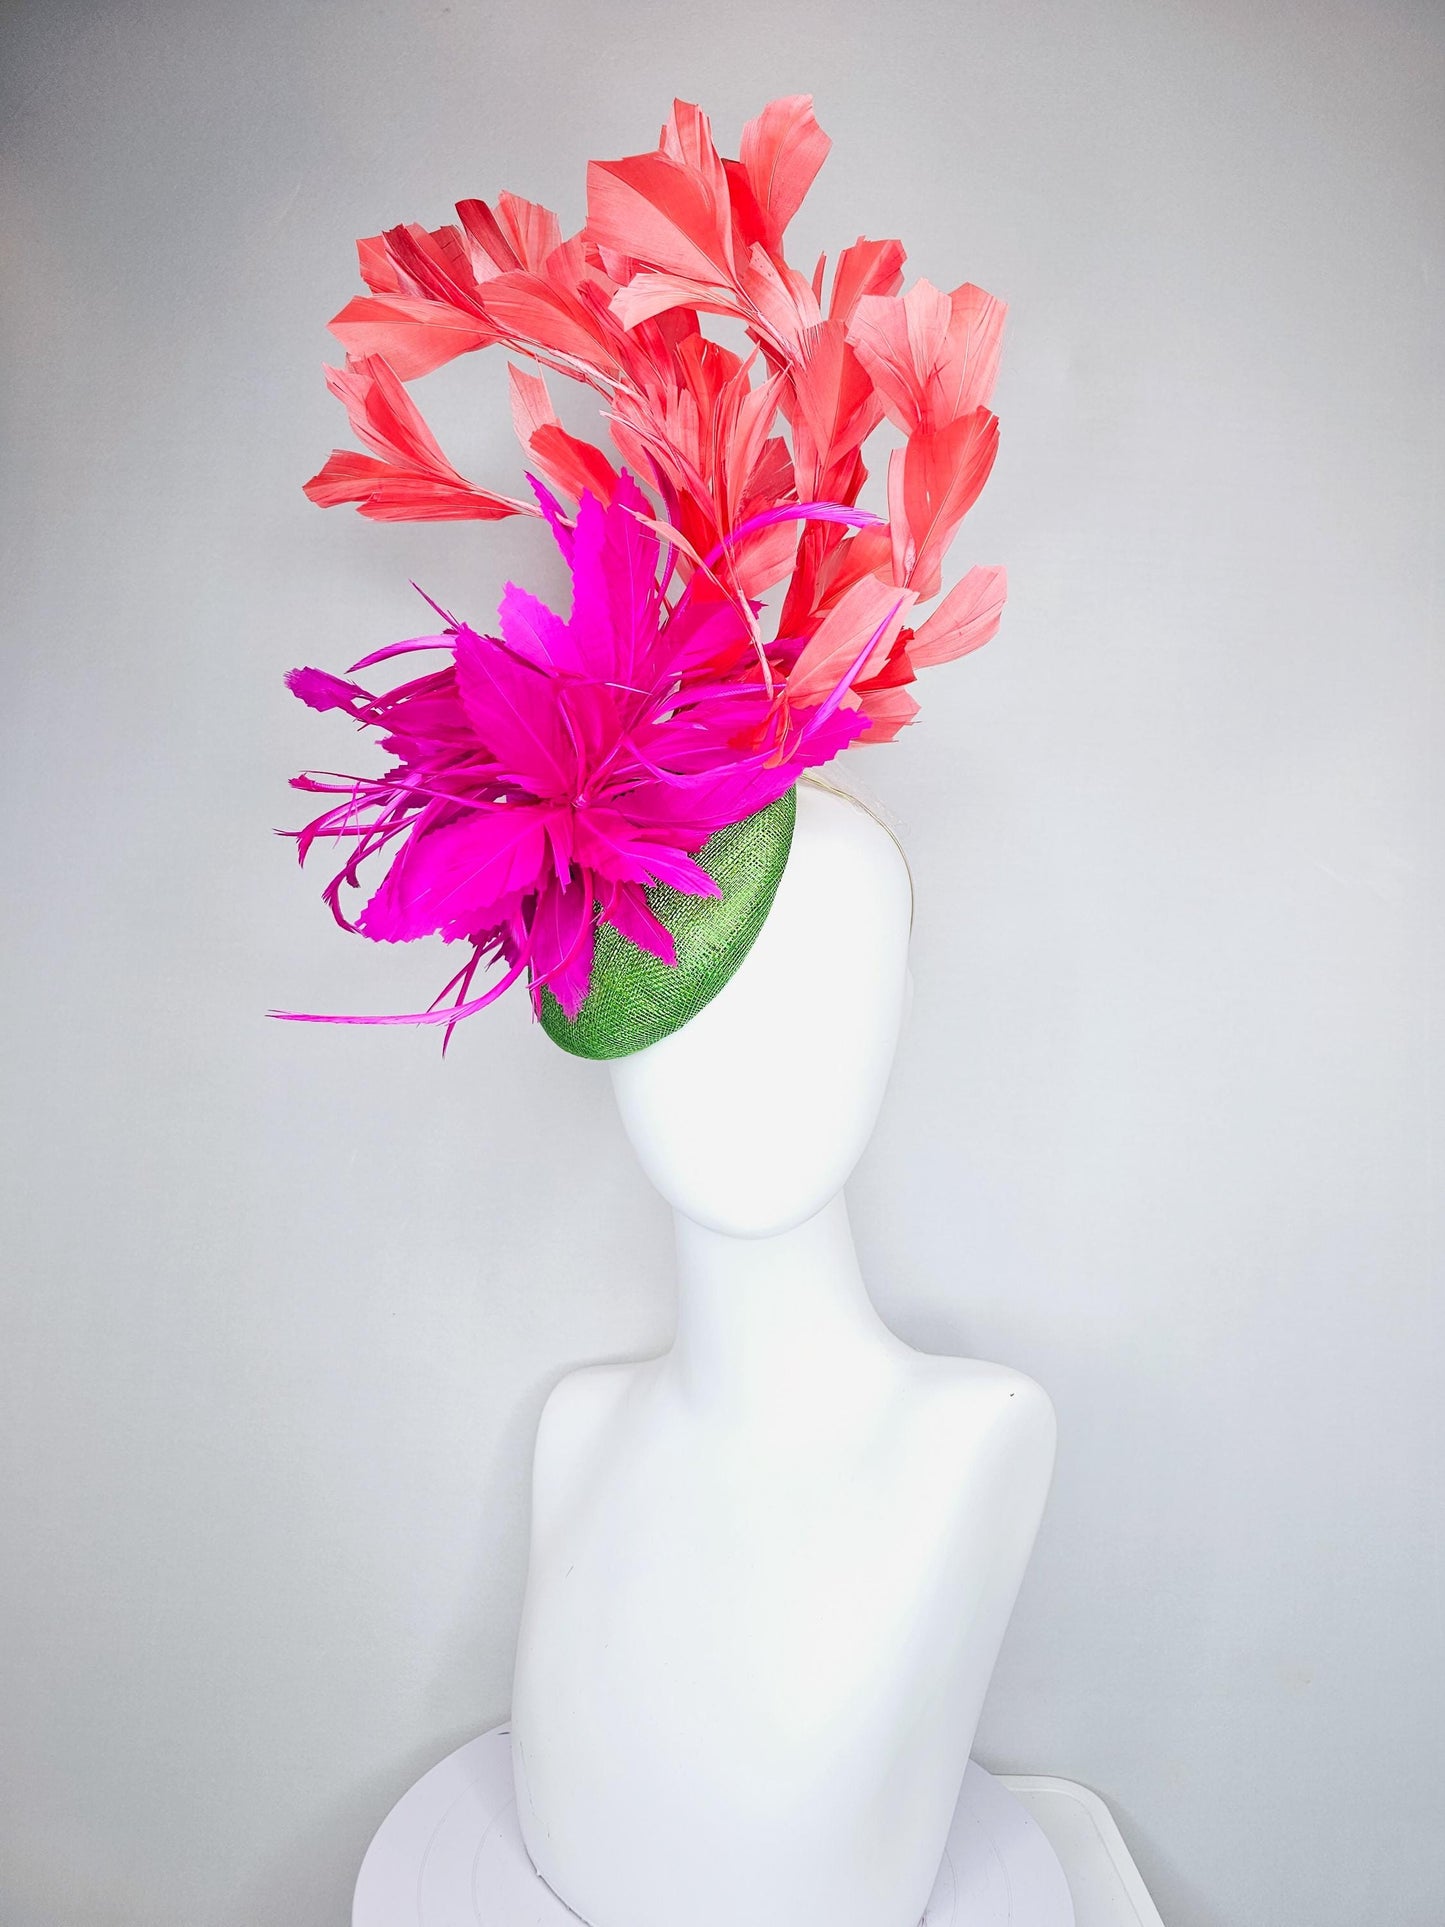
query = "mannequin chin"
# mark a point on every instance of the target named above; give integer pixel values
(750, 1118)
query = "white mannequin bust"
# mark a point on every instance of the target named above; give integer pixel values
(770, 1570)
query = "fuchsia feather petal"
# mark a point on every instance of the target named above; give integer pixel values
(626, 908)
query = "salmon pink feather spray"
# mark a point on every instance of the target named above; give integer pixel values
(545, 778)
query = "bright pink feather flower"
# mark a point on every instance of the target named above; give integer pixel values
(550, 774)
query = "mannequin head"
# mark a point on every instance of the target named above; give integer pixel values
(750, 1118)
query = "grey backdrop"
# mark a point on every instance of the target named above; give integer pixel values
(282, 1305)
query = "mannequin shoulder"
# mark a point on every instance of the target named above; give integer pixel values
(580, 1407)
(580, 1412)
(967, 1397)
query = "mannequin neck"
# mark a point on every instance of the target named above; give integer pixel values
(772, 1323)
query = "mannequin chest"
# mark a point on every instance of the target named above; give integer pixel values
(765, 1574)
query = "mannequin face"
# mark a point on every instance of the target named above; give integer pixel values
(750, 1118)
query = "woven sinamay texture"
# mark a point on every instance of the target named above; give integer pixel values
(635, 998)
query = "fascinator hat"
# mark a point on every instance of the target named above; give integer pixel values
(601, 803)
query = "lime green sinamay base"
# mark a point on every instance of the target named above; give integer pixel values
(635, 998)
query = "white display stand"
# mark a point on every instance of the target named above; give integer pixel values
(1107, 1887)
(450, 1854)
